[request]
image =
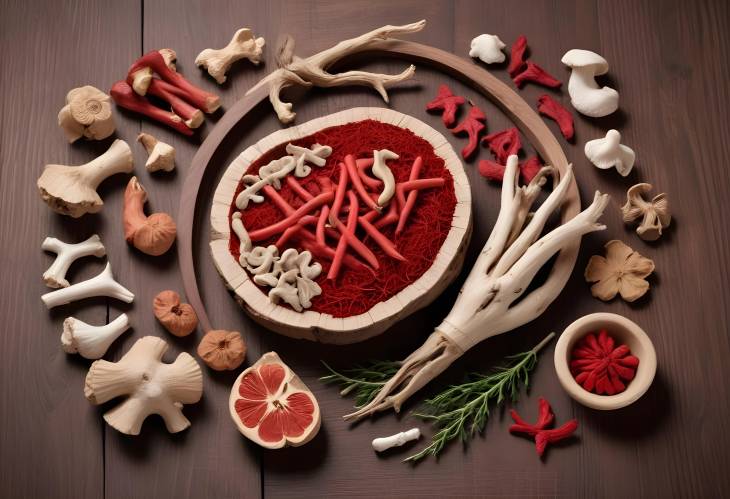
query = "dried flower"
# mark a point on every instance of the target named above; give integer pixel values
(654, 214)
(622, 271)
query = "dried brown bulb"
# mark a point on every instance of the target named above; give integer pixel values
(222, 350)
(152, 234)
(178, 318)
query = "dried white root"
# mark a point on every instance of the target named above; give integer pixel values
(312, 71)
(585, 96)
(273, 172)
(385, 443)
(383, 172)
(511, 258)
(66, 254)
(91, 342)
(243, 45)
(101, 285)
(609, 152)
(151, 386)
(487, 48)
(161, 155)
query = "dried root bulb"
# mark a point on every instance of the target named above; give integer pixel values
(87, 113)
(152, 235)
(243, 45)
(222, 350)
(151, 386)
(178, 318)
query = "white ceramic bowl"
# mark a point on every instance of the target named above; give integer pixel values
(623, 331)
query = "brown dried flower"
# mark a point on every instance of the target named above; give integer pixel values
(654, 214)
(622, 271)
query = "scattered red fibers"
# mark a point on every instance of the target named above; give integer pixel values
(503, 143)
(551, 108)
(536, 74)
(358, 287)
(601, 367)
(539, 431)
(447, 102)
(517, 56)
(472, 125)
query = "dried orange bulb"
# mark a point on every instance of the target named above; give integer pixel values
(222, 350)
(152, 235)
(178, 318)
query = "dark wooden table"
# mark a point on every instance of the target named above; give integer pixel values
(669, 60)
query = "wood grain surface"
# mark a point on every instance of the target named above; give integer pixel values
(669, 61)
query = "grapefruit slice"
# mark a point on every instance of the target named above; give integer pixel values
(272, 406)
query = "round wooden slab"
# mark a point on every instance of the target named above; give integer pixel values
(324, 327)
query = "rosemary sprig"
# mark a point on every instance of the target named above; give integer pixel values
(365, 381)
(462, 410)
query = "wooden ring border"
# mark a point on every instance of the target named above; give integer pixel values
(526, 119)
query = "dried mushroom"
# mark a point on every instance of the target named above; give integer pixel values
(622, 271)
(222, 350)
(654, 214)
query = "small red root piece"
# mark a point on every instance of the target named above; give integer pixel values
(536, 74)
(551, 108)
(282, 225)
(517, 56)
(321, 222)
(125, 97)
(447, 102)
(339, 193)
(298, 188)
(545, 437)
(472, 125)
(364, 164)
(154, 61)
(382, 241)
(279, 201)
(411, 200)
(494, 171)
(359, 187)
(342, 244)
(503, 144)
(529, 168)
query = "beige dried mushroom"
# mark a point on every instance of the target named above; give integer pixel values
(654, 214)
(222, 350)
(622, 271)
(87, 113)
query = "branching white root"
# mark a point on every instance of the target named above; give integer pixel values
(312, 71)
(512, 256)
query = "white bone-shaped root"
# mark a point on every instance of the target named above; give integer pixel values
(91, 342)
(66, 254)
(503, 271)
(384, 443)
(383, 172)
(312, 71)
(151, 386)
(101, 285)
(243, 45)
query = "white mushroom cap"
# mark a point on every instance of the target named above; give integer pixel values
(585, 95)
(488, 48)
(579, 58)
(609, 152)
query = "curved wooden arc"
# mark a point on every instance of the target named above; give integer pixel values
(526, 119)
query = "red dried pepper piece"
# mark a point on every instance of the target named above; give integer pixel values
(544, 419)
(472, 125)
(517, 56)
(551, 108)
(536, 74)
(529, 168)
(494, 171)
(601, 367)
(503, 143)
(447, 102)
(545, 437)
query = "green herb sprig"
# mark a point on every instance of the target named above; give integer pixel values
(365, 381)
(462, 410)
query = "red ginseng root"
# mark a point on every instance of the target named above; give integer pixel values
(472, 125)
(411, 200)
(447, 102)
(551, 108)
(517, 56)
(536, 74)
(540, 431)
(125, 97)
